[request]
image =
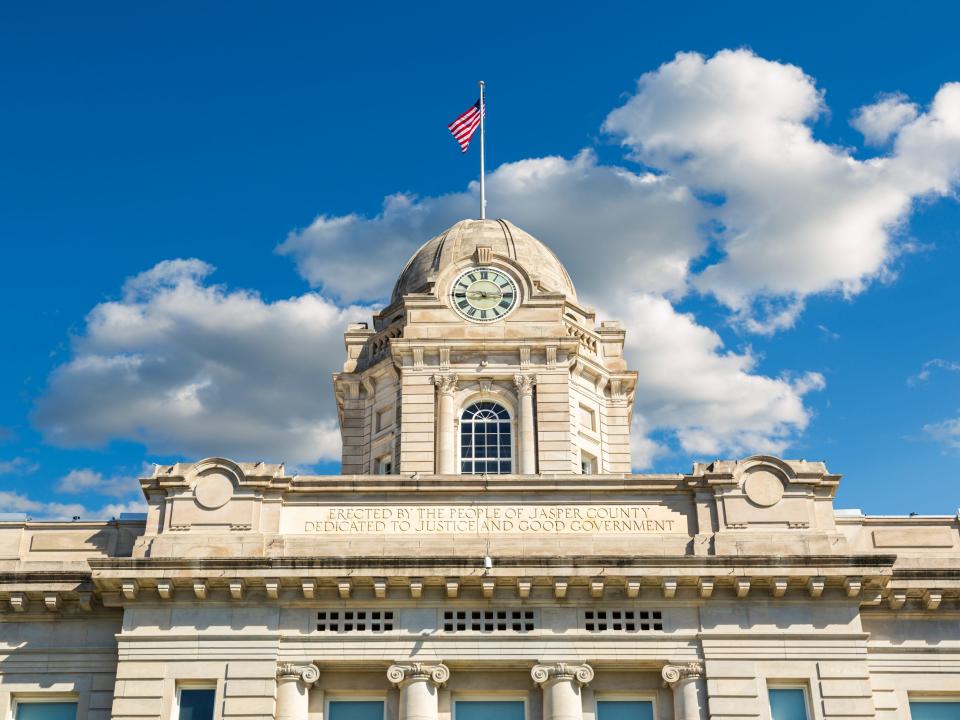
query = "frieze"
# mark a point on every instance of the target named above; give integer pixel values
(505, 518)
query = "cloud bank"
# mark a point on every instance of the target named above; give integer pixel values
(192, 369)
(724, 192)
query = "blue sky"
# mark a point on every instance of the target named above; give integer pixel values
(141, 147)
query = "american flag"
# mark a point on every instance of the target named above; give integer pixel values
(466, 125)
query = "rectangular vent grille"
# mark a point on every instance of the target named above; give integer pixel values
(622, 620)
(344, 621)
(488, 621)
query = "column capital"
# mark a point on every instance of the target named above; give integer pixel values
(307, 674)
(447, 384)
(524, 383)
(543, 674)
(676, 674)
(402, 673)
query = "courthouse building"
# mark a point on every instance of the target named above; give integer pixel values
(487, 553)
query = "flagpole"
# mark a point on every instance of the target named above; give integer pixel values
(483, 184)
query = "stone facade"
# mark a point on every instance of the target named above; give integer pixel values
(422, 587)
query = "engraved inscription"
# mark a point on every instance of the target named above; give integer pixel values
(485, 519)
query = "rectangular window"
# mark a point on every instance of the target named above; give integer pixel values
(788, 703)
(935, 710)
(587, 418)
(384, 419)
(195, 703)
(385, 465)
(588, 463)
(355, 710)
(624, 710)
(488, 710)
(39, 710)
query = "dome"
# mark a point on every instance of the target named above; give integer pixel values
(462, 240)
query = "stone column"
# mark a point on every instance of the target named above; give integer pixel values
(561, 683)
(446, 441)
(526, 442)
(418, 683)
(686, 681)
(293, 690)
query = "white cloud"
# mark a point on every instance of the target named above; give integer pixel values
(946, 432)
(87, 480)
(711, 399)
(883, 119)
(628, 239)
(798, 216)
(617, 230)
(737, 181)
(18, 465)
(194, 369)
(41, 510)
(929, 366)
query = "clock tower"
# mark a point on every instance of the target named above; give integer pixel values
(485, 362)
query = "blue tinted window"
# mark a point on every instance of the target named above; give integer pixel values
(196, 704)
(788, 704)
(47, 711)
(935, 710)
(355, 710)
(624, 710)
(488, 710)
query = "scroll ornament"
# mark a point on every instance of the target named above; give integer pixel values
(673, 674)
(437, 674)
(307, 674)
(541, 674)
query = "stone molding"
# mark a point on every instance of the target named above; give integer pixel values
(400, 674)
(675, 674)
(543, 674)
(307, 674)
(447, 384)
(524, 384)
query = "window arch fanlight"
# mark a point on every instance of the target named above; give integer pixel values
(486, 439)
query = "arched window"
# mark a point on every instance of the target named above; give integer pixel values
(486, 439)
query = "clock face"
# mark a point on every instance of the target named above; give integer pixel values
(484, 294)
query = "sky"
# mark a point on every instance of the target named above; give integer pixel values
(196, 198)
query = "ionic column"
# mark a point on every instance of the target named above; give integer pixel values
(446, 443)
(686, 682)
(527, 443)
(293, 690)
(418, 685)
(561, 683)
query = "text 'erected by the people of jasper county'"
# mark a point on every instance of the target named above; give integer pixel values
(492, 518)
